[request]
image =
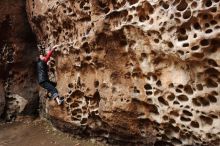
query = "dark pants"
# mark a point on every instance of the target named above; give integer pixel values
(49, 86)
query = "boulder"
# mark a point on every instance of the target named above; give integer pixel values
(139, 71)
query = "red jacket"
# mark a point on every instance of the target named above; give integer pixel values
(47, 57)
(42, 68)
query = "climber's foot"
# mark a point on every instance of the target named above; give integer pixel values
(59, 100)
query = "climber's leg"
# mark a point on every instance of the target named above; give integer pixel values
(54, 93)
(50, 88)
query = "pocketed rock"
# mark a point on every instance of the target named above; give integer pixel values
(17, 55)
(138, 71)
(2, 99)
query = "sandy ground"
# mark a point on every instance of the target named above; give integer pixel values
(29, 132)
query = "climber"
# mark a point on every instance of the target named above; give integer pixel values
(43, 78)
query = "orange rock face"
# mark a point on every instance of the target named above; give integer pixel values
(141, 71)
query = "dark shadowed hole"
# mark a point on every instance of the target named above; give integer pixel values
(208, 3)
(194, 124)
(204, 42)
(198, 55)
(182, 98)
(178, 91)
(143, 55)
(194, 4)
(131, 2)
(171, 16)
(177, 20)
(199, 87)
(217, 27)
(174, 113)
(142, 18)
(84, 121)
(207, 25)
(196, 26)
(87, 8)
(208, 31)
(171, 97)
(213, 9)
(212, 72)
(149, 100)
(213, 116)
(187, 113)
(96, 84)
(147, 87)
(195, 48)
(212, 98)
(68, 100)
(75, 119)
(182, 5)
(73, 105)
(163, 101)
(70, 85)
(158, 83)
(213, 22)
(165, 5)
(188, 89)
(130, 17)
(187, 107)
(171, 85)
(182, 37)
(205, 16)
(210, 83)
(88, 58)
(180, 52)
(186, 45)
(207, 120)
(214, 93)
(203, 101)
(170, 44)
(176, 141)
(187, 14)
(212, 62)
(176, 102)
(195, 35)
(216, 1)
(182, 118)
(165, 117)
(209, 135)
(82, 4)
(74, 113)
(156, 40)
(182, 31)
(149, 92)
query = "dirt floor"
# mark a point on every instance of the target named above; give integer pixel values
(29, 132)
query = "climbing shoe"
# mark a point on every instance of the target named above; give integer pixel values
(59, 100)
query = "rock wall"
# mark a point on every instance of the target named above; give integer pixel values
(140, 71)
(18, 88)
(2, 99)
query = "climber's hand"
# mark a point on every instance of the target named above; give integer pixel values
(54, 47)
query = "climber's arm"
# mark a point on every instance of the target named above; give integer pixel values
(49, 54)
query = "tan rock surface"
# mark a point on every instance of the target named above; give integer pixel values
(136, 70)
